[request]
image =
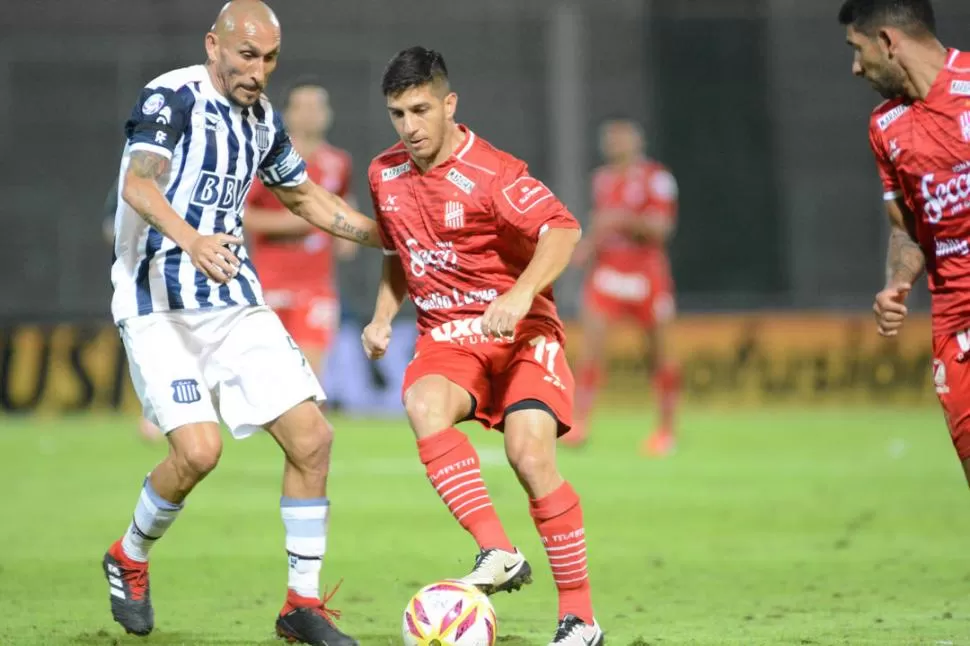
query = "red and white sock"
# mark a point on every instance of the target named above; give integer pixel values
(559, 519)
(455, 472)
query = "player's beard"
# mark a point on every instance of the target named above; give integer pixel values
(890, 84)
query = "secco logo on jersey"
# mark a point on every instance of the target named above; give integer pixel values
(391, 173)
(220, 191)
(525, 192)
(443, 258)
(953, 192)
(961, 88)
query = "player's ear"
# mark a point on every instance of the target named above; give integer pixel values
(211, 46)
(451, 105)
(888, 39)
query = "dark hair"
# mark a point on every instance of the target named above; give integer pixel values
(413, 67)
(914, 17)
(299, 84)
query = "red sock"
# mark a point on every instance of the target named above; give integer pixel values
(667, 386)
(455, 472)
(587, 386)
(559, 519)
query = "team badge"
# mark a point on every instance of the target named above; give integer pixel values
(186, 391)
(262, 136)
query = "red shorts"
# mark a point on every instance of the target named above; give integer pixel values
(951, 377)
(312, 318)
(646, 296)
(498, 374)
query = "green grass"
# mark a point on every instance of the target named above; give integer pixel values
(774, 527)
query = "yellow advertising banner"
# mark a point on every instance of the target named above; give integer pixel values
(739, 359)
(764, 358)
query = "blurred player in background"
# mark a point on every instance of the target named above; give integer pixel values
(202, 346)
(476, 243)
(295, 259)
(920, 137)
(633, 218)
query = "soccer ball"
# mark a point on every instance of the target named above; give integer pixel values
(449, 613)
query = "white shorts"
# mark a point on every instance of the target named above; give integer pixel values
(239, 361)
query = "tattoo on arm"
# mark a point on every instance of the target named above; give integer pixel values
(905, 260)
(345, 229)
(147, 165)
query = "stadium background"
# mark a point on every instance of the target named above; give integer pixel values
(750, 102)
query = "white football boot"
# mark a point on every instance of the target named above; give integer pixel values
(573, 631)
(497, 571)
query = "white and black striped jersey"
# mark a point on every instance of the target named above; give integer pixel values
(216, 148)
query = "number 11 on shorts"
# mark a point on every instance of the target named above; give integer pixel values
(546, 352)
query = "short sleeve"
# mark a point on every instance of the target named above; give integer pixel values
(529, 205)
(282, 165)
(663, 193)
(387, 243)
(158, 119)
(887, 172)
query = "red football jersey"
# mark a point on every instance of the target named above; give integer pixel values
(464, 231)
(922, 150)
(646, 187)
(306, 262)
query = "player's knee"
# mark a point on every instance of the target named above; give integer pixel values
(426, 412)
(532, 463)
(530, 444)
(309, 450)
(198, 456)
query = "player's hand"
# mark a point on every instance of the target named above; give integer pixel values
(505, 312)
(375, 338)
(211, 256)
(890, 309)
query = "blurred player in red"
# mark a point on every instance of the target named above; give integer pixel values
(634, 212)
(476, 243)
(294, 259)
(921, 140)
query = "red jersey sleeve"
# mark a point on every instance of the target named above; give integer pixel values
(663, 193)
(887, 172)
(386, 242)
(528, 205)
(261, 197)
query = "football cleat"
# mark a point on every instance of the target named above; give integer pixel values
(131, 602)
(573, 631)
(499, 571)
(310, 621)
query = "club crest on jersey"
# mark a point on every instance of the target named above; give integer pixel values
(262, 136)
(939, 377)
(186, 391)
(454, 215)
(459, 180)
(961, 88)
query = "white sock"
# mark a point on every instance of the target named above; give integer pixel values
(305, 520)
(153, 515)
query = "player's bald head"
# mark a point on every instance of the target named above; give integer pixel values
(246, 19)
(243, 45)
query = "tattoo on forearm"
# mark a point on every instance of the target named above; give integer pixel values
(147, 165)
(345, 229)
(905, 260)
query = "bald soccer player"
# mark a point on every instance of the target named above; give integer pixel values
(202, 346)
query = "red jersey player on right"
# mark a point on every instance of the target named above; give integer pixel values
(634, 214)
(921, 140)
(476, 243)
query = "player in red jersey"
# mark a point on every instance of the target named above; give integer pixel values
(476, 243)
(295, 260)
(921, 140)
(634, 213)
